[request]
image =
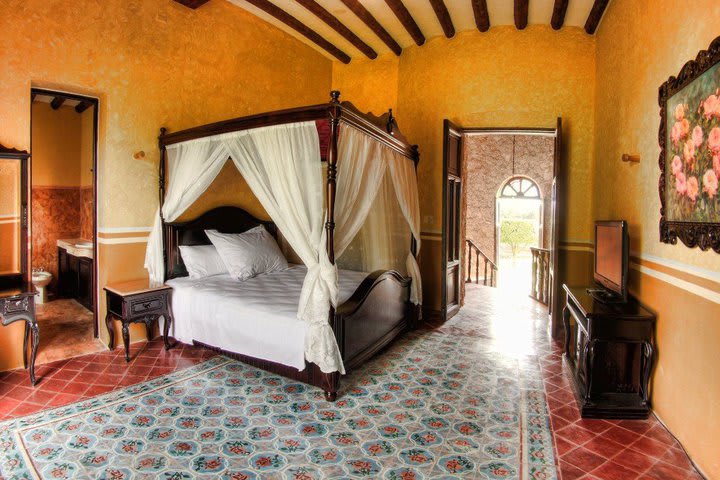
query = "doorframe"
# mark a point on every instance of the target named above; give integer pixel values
(95, 103)
(448, 128)
(555, 217)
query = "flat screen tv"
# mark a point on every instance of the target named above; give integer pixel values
(611, 261)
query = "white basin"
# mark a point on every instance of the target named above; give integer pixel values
(84, 245)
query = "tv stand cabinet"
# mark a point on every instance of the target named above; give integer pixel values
(609, 354)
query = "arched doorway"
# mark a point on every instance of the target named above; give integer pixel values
(518, 227)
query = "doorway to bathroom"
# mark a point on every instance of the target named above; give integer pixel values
(63, 211)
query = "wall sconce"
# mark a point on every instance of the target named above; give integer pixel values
(631, 158)
(139, 155)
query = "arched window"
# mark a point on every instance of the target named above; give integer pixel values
(520, 187)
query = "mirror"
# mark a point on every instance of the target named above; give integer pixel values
(13, 216)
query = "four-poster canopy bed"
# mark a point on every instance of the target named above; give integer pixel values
(340, 318)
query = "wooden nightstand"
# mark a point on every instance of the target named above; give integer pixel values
(137, 302)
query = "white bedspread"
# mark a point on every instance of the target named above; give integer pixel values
(256, 317)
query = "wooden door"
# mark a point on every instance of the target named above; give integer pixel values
(451, 239)
(555, 303)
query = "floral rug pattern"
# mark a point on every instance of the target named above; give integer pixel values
(434, 406)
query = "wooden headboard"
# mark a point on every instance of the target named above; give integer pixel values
(222, 219)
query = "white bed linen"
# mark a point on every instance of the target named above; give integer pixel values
(255, 317)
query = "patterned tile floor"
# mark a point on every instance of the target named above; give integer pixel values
(586, 449)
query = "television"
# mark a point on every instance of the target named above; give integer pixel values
(611, 261)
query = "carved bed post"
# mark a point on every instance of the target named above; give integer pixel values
(161, 184)
(334, 112)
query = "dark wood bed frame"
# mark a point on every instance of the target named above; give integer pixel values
(378, 311)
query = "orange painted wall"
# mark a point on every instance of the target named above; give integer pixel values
(151, 63)
(638, 47)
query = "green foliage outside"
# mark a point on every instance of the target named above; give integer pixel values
(517, 234)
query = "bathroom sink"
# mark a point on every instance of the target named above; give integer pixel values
(84, 245)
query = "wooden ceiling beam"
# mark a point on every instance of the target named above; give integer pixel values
(443, 17)
(521, 14)
(338, 26)
(299, 27)
(595, 16)
(192, 3)
(82, 106)
(558, 16)
(407, 20)
(361, 12)
(57, 102)
(482, 17)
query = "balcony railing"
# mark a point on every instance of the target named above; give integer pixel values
(540, 288)
(488, 265)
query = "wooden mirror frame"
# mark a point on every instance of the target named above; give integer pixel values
(705, 235)
(16, 279)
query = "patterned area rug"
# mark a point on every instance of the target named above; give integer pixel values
(434, 406)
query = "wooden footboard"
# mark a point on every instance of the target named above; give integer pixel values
(377, 312)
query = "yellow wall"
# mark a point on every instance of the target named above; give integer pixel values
(151, 63)
(372, 85)
(56, 146)
(638, 47)
(501, 78)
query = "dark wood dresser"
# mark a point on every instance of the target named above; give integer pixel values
(609, 353)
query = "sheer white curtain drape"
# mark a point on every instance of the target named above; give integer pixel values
(404, 177)
(192, 167)
(281, 164)
(361, 168)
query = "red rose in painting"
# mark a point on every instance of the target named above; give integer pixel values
(680, 183)
(697, 136)
(710, 183)
(692, 188)
(689, 154)
(711, 106)
(679, 112)
(713, 140)
(676, 165)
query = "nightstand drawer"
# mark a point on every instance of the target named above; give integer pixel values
(146, 305)
(16, 305)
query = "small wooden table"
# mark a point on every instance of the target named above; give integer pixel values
(609, 351)
(18, 304)
(137, 302)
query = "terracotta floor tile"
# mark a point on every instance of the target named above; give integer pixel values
(584, 459)
(650, 447)
(563, 446)
(571, 472)
(26, 408)
(575, 434)
(604, 446)
(633, 460)
(63, 399)
(621, 435)
(613, 471)
(677, 457)
(659, 433)
(665, 471)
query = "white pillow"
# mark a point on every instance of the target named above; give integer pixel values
(248, 254)
(202, 260)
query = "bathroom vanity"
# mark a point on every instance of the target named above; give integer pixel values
(75, 270)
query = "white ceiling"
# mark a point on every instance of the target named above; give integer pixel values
(461, 13)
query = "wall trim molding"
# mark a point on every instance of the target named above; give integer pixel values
(680, 266)
(120, 241)
(124, 229)
(693, 288)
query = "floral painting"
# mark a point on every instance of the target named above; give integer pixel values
(693, 151)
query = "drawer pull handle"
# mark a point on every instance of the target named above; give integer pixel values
(146, 305)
